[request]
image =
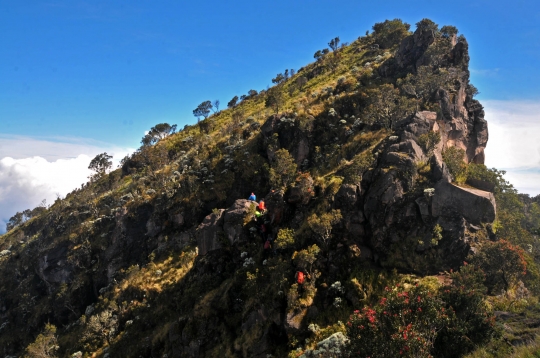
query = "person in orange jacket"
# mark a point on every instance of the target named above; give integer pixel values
(261, 206)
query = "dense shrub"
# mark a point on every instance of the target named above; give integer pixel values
(503, 263)
(453, 158)
(420, 322)
(390, 32)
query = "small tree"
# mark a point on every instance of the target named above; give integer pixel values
(301, 82)
(390, 32)
(102, 326)
(280, 77)
(100, 164)
(334, 43)
(203, 110)
(448, 31)
(426, 25)
(503, 263)
(232, 103)
(453, 157)
(157, 133)
(321, 225)
(215, 106)
(252, 93)
(304, 259)
(275, 99)
(285, 238)
(45, 345)
(429, 141)
(283, 169)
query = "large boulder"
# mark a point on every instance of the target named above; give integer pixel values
(475, 206)
(223, 224)
(209, 232)
(233, 219)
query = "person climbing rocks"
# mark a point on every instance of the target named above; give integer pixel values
(252, 197)
(261, 206)
(299, 277)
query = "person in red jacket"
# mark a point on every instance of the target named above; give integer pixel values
(300, 277)
(261, 206)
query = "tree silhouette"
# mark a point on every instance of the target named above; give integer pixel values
(157, 133)
(203, 110)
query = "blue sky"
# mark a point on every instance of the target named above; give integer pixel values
(79, 77)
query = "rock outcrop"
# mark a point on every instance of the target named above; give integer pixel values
(223, 225)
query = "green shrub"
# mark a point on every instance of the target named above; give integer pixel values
(453, 158)
(285, 238)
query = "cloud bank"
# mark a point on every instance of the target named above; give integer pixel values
(514, 142)
(35, 169)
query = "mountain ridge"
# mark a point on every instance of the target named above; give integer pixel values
(371, 159)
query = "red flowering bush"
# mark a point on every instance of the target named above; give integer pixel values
(404, 323)
(420, 323)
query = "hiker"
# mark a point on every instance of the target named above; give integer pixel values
(261, 206)
(300, 277)
(252, 197)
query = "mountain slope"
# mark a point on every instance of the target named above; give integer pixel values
(369, 161)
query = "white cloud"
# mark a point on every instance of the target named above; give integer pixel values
(35, 169)
(514, 142)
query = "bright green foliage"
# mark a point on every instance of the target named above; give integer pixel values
(503, 263)
(304, 259)
(285, 238)
(45, 345)
(283, 169)
(429, 141)
(437, 235)
(453, 158)
(322, 224)
(390, 32)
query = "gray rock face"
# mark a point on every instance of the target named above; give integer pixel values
(224, 224)
(476, 206)
(233, 220)
(53, 266)
(412, 48)
(209, 232)
(290, 137)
